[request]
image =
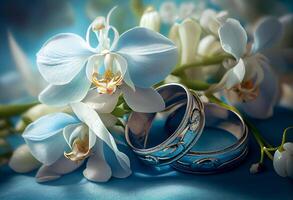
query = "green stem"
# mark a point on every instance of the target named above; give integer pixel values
(284, 138)
(214, 99)
(268, 153)
(119, 112)
(7, 111)
(272, 149)
(261, 155)
(195, 84)
(201, 63)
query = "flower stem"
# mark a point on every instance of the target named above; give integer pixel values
(268, 153)
(281, 148)
(201, 63)
(7, 111)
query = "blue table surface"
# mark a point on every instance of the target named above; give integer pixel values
(146, 183)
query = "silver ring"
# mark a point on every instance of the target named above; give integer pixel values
(164, 137)
(224, 158)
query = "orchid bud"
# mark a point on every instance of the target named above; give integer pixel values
(186, 9)
(283, 160)
(211, 20)
(209, 46)
(34, 113)
(150, 19)
(99, 24)
(168, 12)
(22, 161)
(186, 36)
(256, 168)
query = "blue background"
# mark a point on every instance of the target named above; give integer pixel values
(32, 22)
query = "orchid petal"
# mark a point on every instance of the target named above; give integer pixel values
(62, 57)
(44, 137)
(109, 120)
(150, 56)
(233, 38)
(117, 170)
(290, 166)
(56, 170)
(95, 124)
(93, 65)
(235, 75)
(97, 169)
(121, 63)
(72, 131)
(267, 33)
(45, 175)
(68, 131)
(279, 162)
(288, 146)
(231, 78)
(102, 103)
(254, 69)
(145, 100)
(61, 95)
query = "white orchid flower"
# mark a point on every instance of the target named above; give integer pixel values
(283, 160)
(129, 64)
(69, 139)
(247, 87)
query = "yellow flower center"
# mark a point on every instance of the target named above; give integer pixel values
(246, 91)
(108, 83)
(80, 149)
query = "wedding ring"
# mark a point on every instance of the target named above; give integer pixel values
(216, 160)
(164, 137)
